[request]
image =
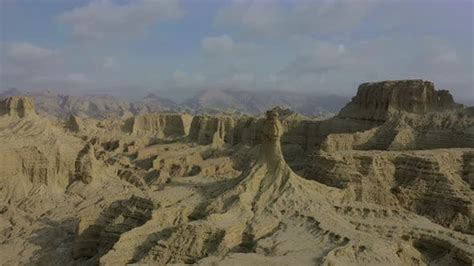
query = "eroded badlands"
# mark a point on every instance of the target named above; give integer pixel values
(387, 181)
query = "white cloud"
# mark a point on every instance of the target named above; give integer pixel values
(110, 63)
(70, 79)
(104, 19)
(25, 60)
(343, 66)
(318, 58)
(217, 45)
(26, 57)
(27, 51)
(224, 45)
(28, 66)
(77, 78)
(182, 80)
(243, 77)
(276, 18)
(238, 80)
(339, 67)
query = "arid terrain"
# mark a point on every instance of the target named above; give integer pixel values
(388, 180)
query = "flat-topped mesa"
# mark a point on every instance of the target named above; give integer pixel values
(17, 106)
(380, 100)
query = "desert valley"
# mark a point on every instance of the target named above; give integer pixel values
(387, 180)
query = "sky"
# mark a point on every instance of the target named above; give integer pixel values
(174, 48)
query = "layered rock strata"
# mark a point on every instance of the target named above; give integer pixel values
(379, 101)
(96, 237)
(161, 125)
(405, 114)
(34, 153)
(414, 180)
(270, 215)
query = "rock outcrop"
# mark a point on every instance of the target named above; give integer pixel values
(414, 180)
(74, 123)
(96, 237)
(85, 165)
(162, 125)
(34, 153)
(379, 101)
(17, 106)
(307, 134)
(170, 164)
(212, 130)
(270, 215)
(435, 130)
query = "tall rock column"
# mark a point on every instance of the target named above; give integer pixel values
(271, 152)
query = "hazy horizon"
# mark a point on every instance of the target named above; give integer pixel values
(131, 48)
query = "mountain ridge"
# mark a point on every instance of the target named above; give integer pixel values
(206, 101)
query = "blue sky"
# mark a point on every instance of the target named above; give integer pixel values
(173, 47)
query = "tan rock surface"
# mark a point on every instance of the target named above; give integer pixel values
(392, 188)
(166, 125)
(17, 106)
(378, 101)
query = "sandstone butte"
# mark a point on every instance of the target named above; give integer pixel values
(387, 181)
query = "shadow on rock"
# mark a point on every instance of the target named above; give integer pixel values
(55, 239)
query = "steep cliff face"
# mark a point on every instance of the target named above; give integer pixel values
(379, 101)
(213, 130)
(307, 134)
(17, 106)
(415, 180)
(34, 153)
(406, 115)
(85, 165)
(163, 125)
(450, 129)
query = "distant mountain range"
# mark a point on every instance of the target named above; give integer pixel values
(257, 102)
(207, 101)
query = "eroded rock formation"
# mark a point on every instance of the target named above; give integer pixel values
(85, 164)
(252, 217)
(212, 130)
(414, 180)
(135, 190)
(379, 101)
(17, 106)
(162, 125)
(96, 237)
(74, 123)
(34, 153)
